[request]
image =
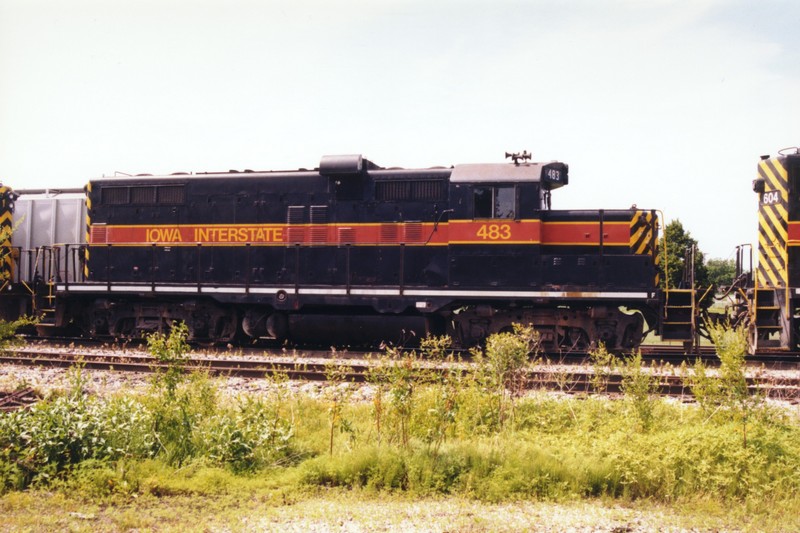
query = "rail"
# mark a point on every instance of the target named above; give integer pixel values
(573, 379)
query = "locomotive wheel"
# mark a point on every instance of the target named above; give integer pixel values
(207, 321)
(574, 339)
(226, 327)
(633, 337)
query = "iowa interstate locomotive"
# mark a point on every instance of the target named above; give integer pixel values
(350, 252)
(769, 299)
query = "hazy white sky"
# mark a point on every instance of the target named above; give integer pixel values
(663, 103)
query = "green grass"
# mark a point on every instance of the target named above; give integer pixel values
(250, 507)
(468, 438)
(556, 449)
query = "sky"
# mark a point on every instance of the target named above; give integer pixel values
(666, 104)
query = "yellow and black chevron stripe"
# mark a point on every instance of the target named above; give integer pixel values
(772, 224)
(88, 230)
(643, 236)
(642, 241)
(6, 228)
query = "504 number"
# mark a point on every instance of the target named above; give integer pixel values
(494, 232)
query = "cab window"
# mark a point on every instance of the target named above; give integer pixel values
(494, 202)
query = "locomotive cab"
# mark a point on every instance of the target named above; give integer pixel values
(495, 223)
(775, 295)
(501, 191)
(566, 272)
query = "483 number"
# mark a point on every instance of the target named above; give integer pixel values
(494, 232)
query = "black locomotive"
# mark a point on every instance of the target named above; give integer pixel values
(352, 252)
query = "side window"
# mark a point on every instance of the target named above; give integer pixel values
(484, 202)
(504, 202)
(494, 202)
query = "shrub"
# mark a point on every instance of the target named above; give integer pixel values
(727, 394)
(246, 437)
(402, 385)
(504, 365)
(8, 331)
(171, 352)
(51, 436)
(639, 387)
(337, 395)
(603, 364)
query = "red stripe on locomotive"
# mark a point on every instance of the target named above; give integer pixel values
(585, 233)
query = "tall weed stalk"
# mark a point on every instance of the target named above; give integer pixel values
(639, 386)
(727, 394)
(504, 366)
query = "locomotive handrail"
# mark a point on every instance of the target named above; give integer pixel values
(740, 260)
(666, 258)
(66, 264)
(199, 267)
(347, 281)
(79, 261)
(16, 267)
(703, 297)
(401, 275)
(601, 278)
(248, 249)
(73, 258)
(297, 268)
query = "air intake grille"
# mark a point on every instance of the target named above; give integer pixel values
(406, 190)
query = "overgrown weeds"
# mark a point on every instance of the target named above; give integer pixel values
(182, 419)
(9, 329)
(503, 368)
(639, 386)
(725, 394)
(471, 429)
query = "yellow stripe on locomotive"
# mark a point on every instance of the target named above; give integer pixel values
(6, 228)
(773, 188)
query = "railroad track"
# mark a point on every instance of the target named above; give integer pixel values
(707, 354)
(10, 401)
(128, 362)
(567, 378)
(667, 353)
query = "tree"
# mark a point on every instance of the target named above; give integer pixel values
(721, 272)
(679, 241)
